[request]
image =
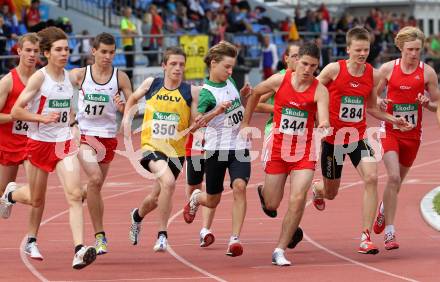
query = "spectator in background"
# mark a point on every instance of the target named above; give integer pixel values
(156, 29)
(145, 28)
(128, 30)
(10, 20)
(342, 26)
(33, 17)
(269, 57)
(5, 33)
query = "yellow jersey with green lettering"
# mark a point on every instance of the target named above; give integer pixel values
(167, 115)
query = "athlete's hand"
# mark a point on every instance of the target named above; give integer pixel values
(403, 124)
(51, 117)
(383, 104)
(119, 103)
(223, 107)
(423, 100)
(323, 129)
(246, 91)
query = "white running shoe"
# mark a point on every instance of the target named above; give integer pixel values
(206, 238)
(31, 249)
(135, 229)
(279, 259)
(161, 244)
(5, 205)
(84, 257)
(235, 248)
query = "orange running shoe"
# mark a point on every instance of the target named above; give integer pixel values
(318, 202)
(367, 247)
(379, 223)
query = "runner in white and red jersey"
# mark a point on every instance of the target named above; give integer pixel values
(407, 79)
(351, 84)
(46, 103)
(100, 88)
(13, 140)
(299, 96)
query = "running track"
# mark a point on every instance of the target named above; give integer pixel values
(328, 252)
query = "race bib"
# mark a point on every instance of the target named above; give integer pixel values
(234, 114)
(164, 125)
(352, 109)
(95, 104)
(408, 111)
(20, 127)
(198, 138)
(293, 121)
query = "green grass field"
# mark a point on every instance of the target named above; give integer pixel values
(436, 202)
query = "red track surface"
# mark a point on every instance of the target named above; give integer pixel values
(328, 252)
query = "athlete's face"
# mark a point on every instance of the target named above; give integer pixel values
(292, 58)
(358, 51)
(411, 51)
(306, 67)
(104, 55)
(175, 67)
(29, 53)
(59, 53)
(220, 71)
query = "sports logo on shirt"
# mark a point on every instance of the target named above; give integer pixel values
(354, 84)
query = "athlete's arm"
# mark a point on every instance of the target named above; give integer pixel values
(125, 86)
(432, 88)
(373, 107)
(322, 100)
(207, 109)
(5, 88)
(20, 113)
(77, 76)
(384, 75)
(329, 73)
(269, 85)
(195, 91)
(130, 107)
(262, 106)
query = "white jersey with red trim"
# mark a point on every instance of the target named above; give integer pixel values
(96, 107)
(54, 96)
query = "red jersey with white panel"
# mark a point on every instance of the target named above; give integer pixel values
(403, 90)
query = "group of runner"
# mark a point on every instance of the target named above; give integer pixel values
(209, 127)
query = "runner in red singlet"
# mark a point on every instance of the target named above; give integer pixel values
(298, 98)
(406, 79)
(351, 83)
(13, 139)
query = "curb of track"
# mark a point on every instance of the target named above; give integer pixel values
(427, 209)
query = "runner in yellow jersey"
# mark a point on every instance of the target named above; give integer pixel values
(170, 104)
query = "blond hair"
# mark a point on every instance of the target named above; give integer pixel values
(220, 50)
(407, 34)
(31, 37)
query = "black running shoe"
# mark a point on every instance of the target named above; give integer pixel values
(297, 237)
(269, 213)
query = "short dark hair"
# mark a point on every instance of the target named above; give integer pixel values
(357, 33)
(309, 49)
(175, 50)
(104, 38)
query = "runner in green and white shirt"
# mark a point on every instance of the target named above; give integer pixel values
(224, 148)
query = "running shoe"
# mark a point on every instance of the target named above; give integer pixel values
(206, 238)
(379, 223)
(101, 245)
(279, 259)
(269, 213)
(235, 248)
(390, 242)
(366, 246)
(190, 210)
(84, 257)
(297, 237)
(5, 205)
(161, 244)
(135, 229)
(318, 201)
(31, 249)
